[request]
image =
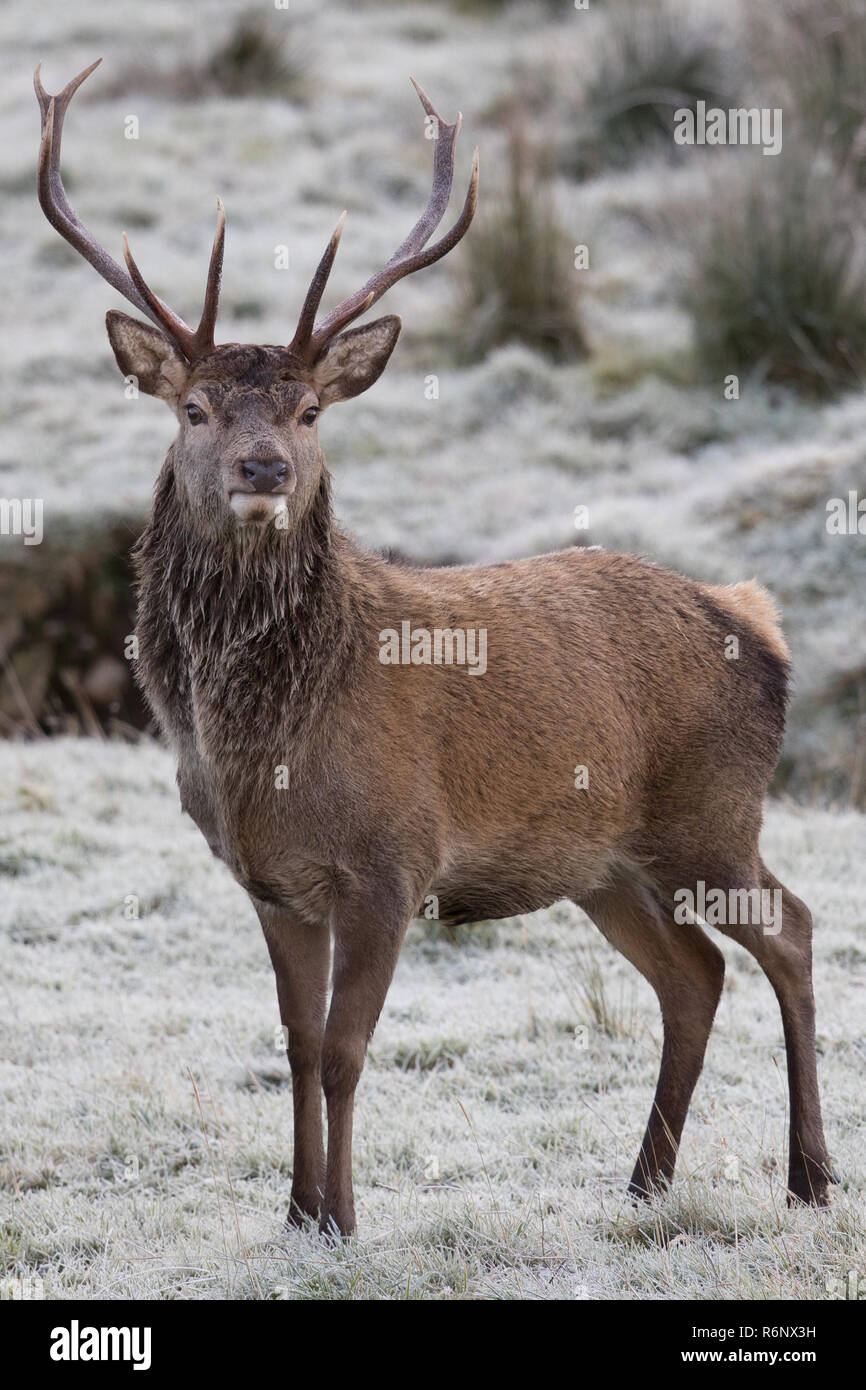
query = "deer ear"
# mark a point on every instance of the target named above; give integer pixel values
(354, 360)
(145, 353)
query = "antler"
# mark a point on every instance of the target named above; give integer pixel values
(411, 255)
(55, 204)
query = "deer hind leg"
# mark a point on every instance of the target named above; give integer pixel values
(687, 973)
(300, 954)
(785, 955)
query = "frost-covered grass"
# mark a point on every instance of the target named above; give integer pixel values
(498, 1117)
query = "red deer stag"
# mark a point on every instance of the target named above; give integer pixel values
(347, 769)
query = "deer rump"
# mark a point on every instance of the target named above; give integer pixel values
(610, 727)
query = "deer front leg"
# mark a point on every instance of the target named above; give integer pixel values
(366, 946)
(300, 954)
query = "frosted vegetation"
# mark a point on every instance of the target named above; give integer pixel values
(498, 1116)
(493, 1145)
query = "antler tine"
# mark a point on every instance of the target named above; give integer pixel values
(443, 177)
(410, 254)
(129, 283)
(192, 344)
(396, 270)
(210, 308)
(307, 320)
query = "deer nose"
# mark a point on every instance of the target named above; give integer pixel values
(264, 474)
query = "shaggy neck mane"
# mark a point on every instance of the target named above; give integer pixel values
(258, 625)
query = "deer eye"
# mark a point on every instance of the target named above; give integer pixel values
(311, 415)
(195, 414)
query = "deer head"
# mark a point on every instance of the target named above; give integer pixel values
(247, 451)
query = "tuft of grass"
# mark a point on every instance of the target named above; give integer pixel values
(488, 8)
(18, 862)
(613, 1018)
(651, 61)
(428, 1056)
(519, 284)
(255, 60)
(777, 286)
(432, 932)
(817, 55)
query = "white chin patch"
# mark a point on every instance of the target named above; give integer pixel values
(257, 508)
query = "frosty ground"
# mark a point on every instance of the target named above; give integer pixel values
(146, 1102)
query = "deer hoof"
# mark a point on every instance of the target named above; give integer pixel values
(809, 1183)
(301, 1212)
(334, 1231)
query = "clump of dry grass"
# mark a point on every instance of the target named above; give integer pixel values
(486, 8)
(613, 1017)
(256, 57)
(777, 285)
(651, 61)
(519, 283)
(816, 57)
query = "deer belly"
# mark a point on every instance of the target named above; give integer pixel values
(491, 887)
